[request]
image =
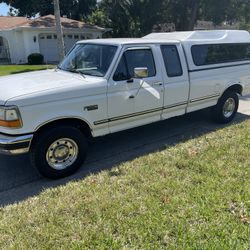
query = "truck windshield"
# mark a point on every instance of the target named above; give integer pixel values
(89, 59)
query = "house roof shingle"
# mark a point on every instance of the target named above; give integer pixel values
(8, 22)
(43, 22)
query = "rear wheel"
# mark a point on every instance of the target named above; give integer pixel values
(226, 108)
(58, 152)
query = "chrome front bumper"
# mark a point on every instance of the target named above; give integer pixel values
(14, 145)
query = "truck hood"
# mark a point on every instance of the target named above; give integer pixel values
(34, 83)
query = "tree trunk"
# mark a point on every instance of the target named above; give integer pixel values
(193, 16)
(59, 30)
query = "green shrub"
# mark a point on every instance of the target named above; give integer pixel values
(35, 59)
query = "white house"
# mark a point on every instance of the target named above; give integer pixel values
(20, 36)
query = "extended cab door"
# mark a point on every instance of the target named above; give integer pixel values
(133, 102)
(176, 80)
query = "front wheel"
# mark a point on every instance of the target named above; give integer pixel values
(58, 152)
(226, 108)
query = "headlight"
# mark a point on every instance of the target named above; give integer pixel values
(10, 117)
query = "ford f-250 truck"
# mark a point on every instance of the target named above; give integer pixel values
(108, 85)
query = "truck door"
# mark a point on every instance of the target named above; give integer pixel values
(133, 102)
(176, 81)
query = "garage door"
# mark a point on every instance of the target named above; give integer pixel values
(71, 39)
(49, 48)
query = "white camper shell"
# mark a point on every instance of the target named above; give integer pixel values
(191, 38)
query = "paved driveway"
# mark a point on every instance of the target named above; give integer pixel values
(18, 180)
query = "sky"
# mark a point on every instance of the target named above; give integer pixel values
(3, 9)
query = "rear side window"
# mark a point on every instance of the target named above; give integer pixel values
(133, 59)
(172, 60)
(220, 53)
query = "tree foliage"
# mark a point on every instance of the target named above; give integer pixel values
(184, 14)
(76, 9)
(130, 18)
(137, 17)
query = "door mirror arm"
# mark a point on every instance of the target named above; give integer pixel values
(131, 80)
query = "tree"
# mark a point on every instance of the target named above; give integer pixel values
(59, 30)
(185, 13)
(133, 18)
(239, 11)
(129, 17)
(75, 9)
(100, 18)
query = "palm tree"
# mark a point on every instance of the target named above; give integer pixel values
(59, 30)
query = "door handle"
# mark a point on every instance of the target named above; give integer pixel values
(158, 84)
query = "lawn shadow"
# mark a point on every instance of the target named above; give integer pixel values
(112, 150)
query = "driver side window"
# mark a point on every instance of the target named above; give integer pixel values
(132, 59)
(121, 73)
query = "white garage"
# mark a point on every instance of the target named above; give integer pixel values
(49, 48)
(27, 36)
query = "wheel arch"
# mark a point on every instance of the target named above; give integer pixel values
(235, 87)
(82, 125)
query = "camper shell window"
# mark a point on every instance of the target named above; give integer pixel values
(220, 53)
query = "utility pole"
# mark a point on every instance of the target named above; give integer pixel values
(59, 30)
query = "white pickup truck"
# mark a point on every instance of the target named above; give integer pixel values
(108, 85)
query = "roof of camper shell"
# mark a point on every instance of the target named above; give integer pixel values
(188, 39)
(218, 36)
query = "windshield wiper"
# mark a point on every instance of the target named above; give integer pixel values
(75, 71)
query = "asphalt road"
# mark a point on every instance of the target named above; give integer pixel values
(19, 180)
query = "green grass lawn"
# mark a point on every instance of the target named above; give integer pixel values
(194, 195)
(15, 69)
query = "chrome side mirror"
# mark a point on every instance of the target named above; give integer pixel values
(141, 72)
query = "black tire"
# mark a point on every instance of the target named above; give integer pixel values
(39, 152)
(219, 113)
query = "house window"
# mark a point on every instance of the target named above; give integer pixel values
(70, 36)
(82, 37)
(49, 37)
(55, 36)
(76, 36)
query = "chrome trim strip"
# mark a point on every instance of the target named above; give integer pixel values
(175, 105)
(154, 110)
(101, 122)
(204, 98)
(139, 113)
(135, 114)
(127, 116)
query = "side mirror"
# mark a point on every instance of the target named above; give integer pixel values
(141, 72)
